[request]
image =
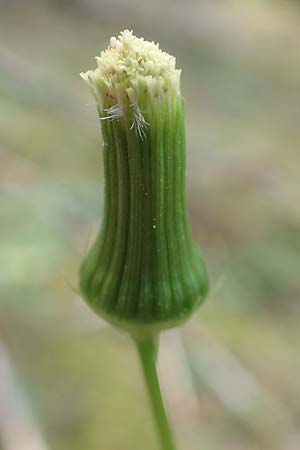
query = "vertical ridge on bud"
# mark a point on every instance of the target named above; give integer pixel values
(144, 269)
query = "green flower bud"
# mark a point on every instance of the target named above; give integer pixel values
(143, 272)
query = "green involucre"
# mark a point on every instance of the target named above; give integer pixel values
(144, 271)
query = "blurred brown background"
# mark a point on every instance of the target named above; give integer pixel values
(231, 376)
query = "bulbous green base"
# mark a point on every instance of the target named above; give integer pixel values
(147, 306)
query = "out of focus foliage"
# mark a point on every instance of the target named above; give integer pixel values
(241, 82)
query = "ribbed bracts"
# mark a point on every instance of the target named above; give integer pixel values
(144, 267)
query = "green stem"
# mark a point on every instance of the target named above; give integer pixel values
(148, 348)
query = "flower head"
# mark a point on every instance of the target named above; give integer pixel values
(144, 271)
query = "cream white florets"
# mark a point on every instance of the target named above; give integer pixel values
(127, 71)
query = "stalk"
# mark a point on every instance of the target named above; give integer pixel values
(148, 349)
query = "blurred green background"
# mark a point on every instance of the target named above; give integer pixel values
(231, 376)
